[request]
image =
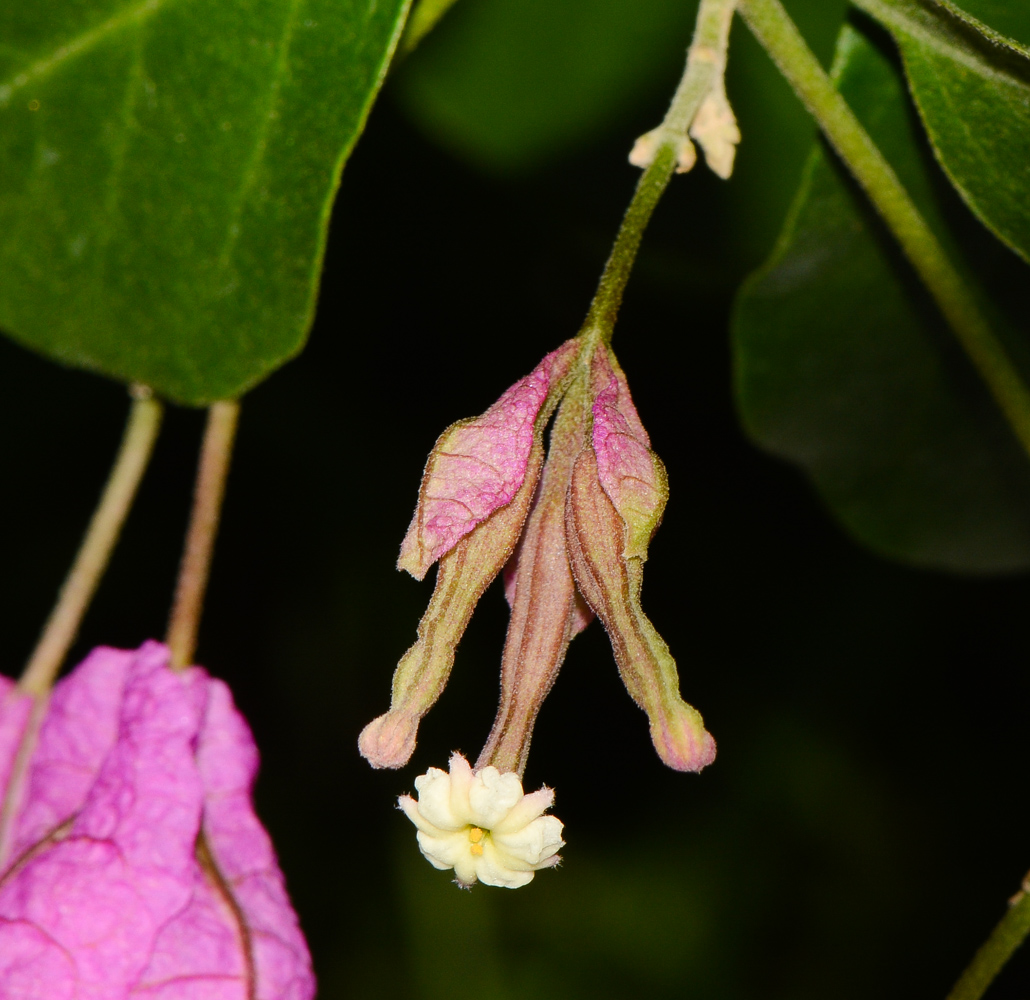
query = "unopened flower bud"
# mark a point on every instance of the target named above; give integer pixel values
(477, 488)
(716, 131)
(546, 611)
(713, 125)
(463, 575)
(615, 502)
(645, 149)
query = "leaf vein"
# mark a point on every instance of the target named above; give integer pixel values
(253, 167)
(120, 143)
(82, 43)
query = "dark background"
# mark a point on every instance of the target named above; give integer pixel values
(865, 820)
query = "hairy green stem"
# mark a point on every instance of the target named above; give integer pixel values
(600, 321)
(95, 553)
(706, 60)
(774, 29)
(992, 955)
(702, 70)
(208, 493)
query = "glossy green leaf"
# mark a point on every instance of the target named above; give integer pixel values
(844, 366)
(972, 87)
(167, 168)
(511, 84)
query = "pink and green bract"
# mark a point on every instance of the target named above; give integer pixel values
(570, 532)
(132, 864)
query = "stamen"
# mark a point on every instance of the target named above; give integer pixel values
(475, 835)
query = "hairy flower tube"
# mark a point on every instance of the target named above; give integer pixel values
(482, 825)
(131, 861)
(572, 534)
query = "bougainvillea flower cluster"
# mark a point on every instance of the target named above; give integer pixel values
(131, 861)
(571, 533)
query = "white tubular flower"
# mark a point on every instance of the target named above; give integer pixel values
(482, 825)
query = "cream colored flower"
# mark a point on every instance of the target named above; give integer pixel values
(481, 824)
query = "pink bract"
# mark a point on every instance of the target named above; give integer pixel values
(105, 892)
(478, 465)
(626, 467)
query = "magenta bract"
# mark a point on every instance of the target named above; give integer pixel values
(131, 861)
(478, 465)
(630, 473)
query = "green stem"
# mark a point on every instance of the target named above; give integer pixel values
(97, 546)
(774, 29)
(992, 955)
(705, 62)
(424, 18)
(600, 321)
(212, 472)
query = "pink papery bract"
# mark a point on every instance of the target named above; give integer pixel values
(478, 465)
(105, 892)
(630, 473)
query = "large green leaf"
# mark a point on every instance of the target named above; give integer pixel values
(167, 168)
(845, 367)
(972, 87)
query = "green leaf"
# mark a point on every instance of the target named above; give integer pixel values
(1004, 16)
(844, 366)
(167, 169)
(513, 84)
(972, 87)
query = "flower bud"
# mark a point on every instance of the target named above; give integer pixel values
(477, 488)
(716, 131)
(645, 149)
(546, 611)
(463, 575)
(615, 501)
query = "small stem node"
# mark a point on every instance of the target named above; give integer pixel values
(660, 152)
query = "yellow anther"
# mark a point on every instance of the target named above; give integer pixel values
(476, 849)
(475, 835)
